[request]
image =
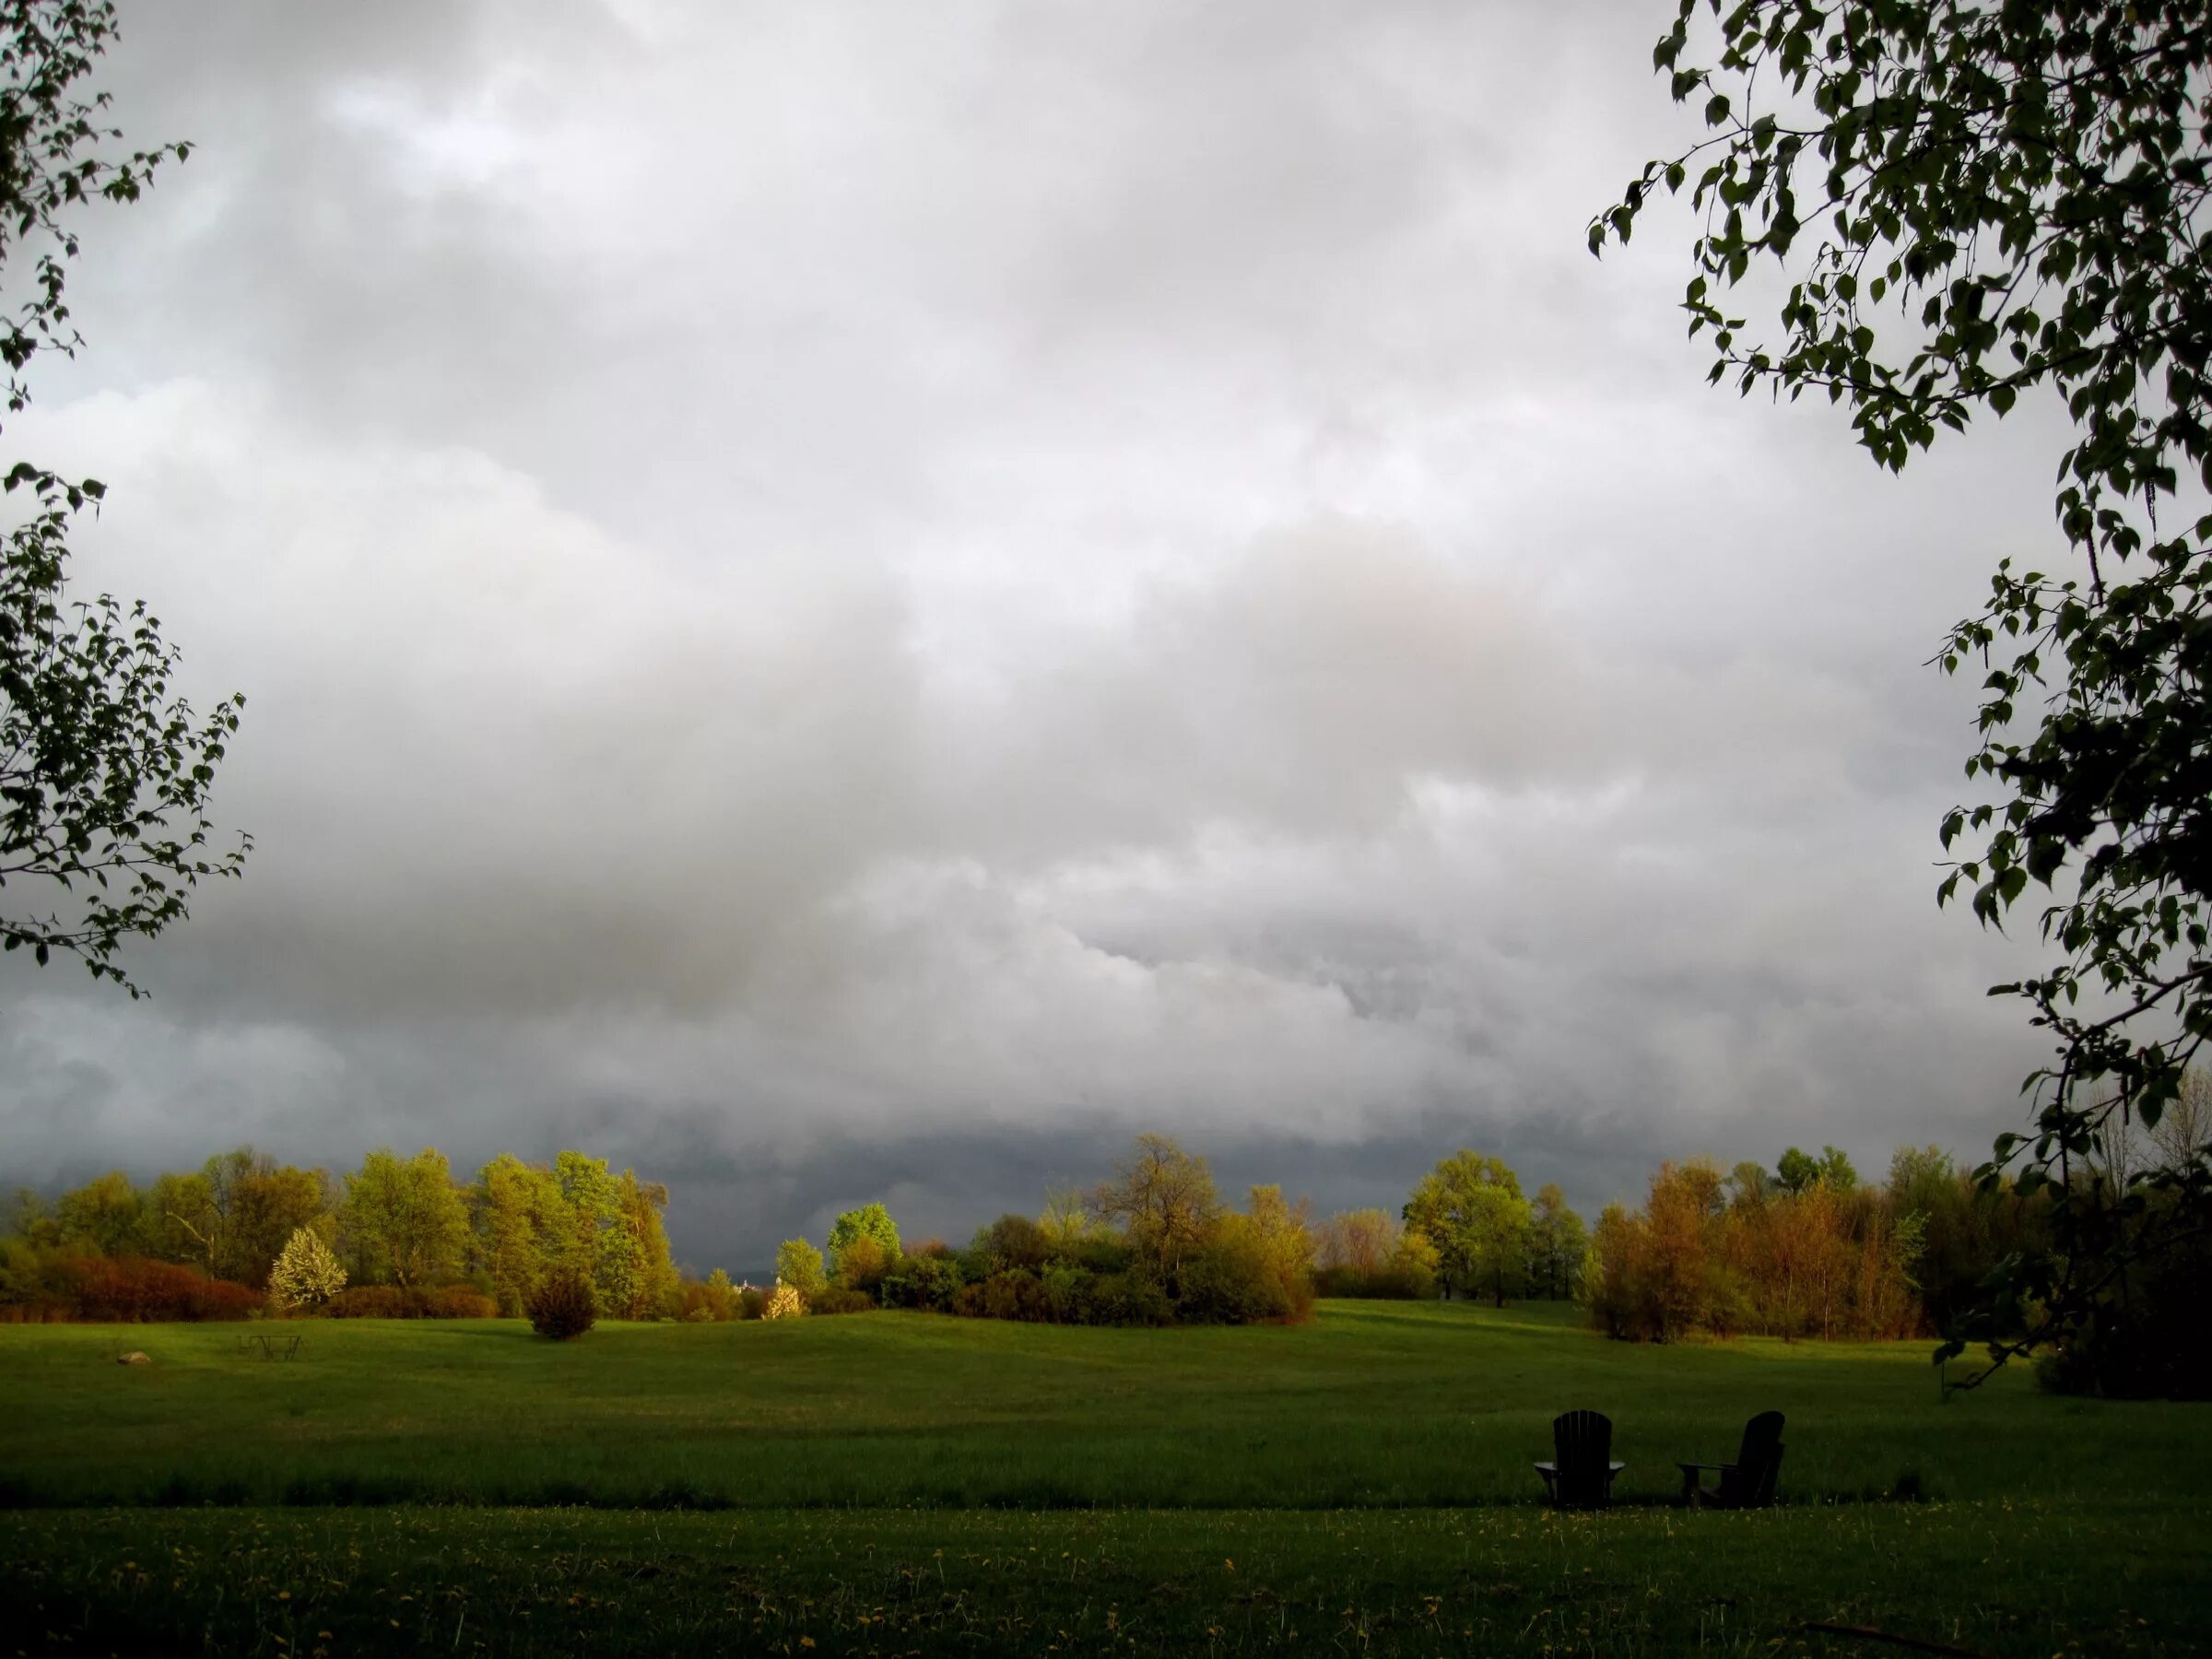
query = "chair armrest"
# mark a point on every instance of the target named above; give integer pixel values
(1692, 1466)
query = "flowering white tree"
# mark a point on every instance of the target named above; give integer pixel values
(306, 1273)
(786, 1303)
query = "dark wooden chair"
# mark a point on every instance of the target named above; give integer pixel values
(1581, 1473)
(1748, 1482)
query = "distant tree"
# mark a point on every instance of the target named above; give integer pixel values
(1471, 1208)
(306, 1273)
(1357, 1241)
(1750, 1184)
(1557, 1245)
(1011, 1241)
(1164, 1200)
(1284, 1244)
(861, 1265)
(799, 1265)
(187, 1221)
(654, 1289)
(870, 1221)
(520, 1226)
(31, 1220)
(1414, 1263)
(1796, 1170)
(1067, 1219)
(1612, 1285)
(403, 1220)
(2182, 1135)
(265, 1202)
(721, 1296)
(106, 1217)
(235, 1214)
(1836, 1171)
(1675, 1278)
(104, 776)
(601, 1245)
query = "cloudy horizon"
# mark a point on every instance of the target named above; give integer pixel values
(853, 603)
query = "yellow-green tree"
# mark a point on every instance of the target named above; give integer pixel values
(105, 1217)
(652, 1290)
(871, 1222)
(403, 1221)
(1557, 1245)
(1471, 1208)
(520, 1227)
(799, 1265)
(1164, 1199)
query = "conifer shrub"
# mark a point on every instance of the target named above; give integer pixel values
(564, 1305)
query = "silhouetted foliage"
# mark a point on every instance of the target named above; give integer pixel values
(2016, 195)
(104, 776)
(564, 1305)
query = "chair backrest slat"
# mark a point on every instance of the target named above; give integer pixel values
(1761, 1435)
(1581, 1445)
(1750, 1484)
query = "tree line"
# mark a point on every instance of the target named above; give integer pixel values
(404, 1237)
(1154, 1243)
(1805, 1250)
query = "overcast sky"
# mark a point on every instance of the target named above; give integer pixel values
(843, 601)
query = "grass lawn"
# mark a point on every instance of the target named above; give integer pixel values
(902, 1483)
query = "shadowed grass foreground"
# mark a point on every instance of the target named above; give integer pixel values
(1993, 1578)
(1372, 1405)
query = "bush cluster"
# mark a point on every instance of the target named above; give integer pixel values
(1232, 1275)
(408, 1302)
(133, 1289)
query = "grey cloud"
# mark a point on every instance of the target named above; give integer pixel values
(837, 601)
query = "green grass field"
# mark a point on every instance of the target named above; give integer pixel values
(904, 1483)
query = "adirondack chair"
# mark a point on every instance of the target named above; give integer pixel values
(1748, 1482)
(1581, 1473)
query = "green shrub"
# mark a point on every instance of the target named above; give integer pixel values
(841, 1298)
(1099, 1252)
(1121, 1299)
(1014, 1294)
(931, 1283)
(1230, 1282)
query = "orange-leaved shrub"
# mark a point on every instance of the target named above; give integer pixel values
(1722, 1256)
(135, 1288)
(409, 1301)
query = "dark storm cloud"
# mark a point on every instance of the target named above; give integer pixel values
(839, 601)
